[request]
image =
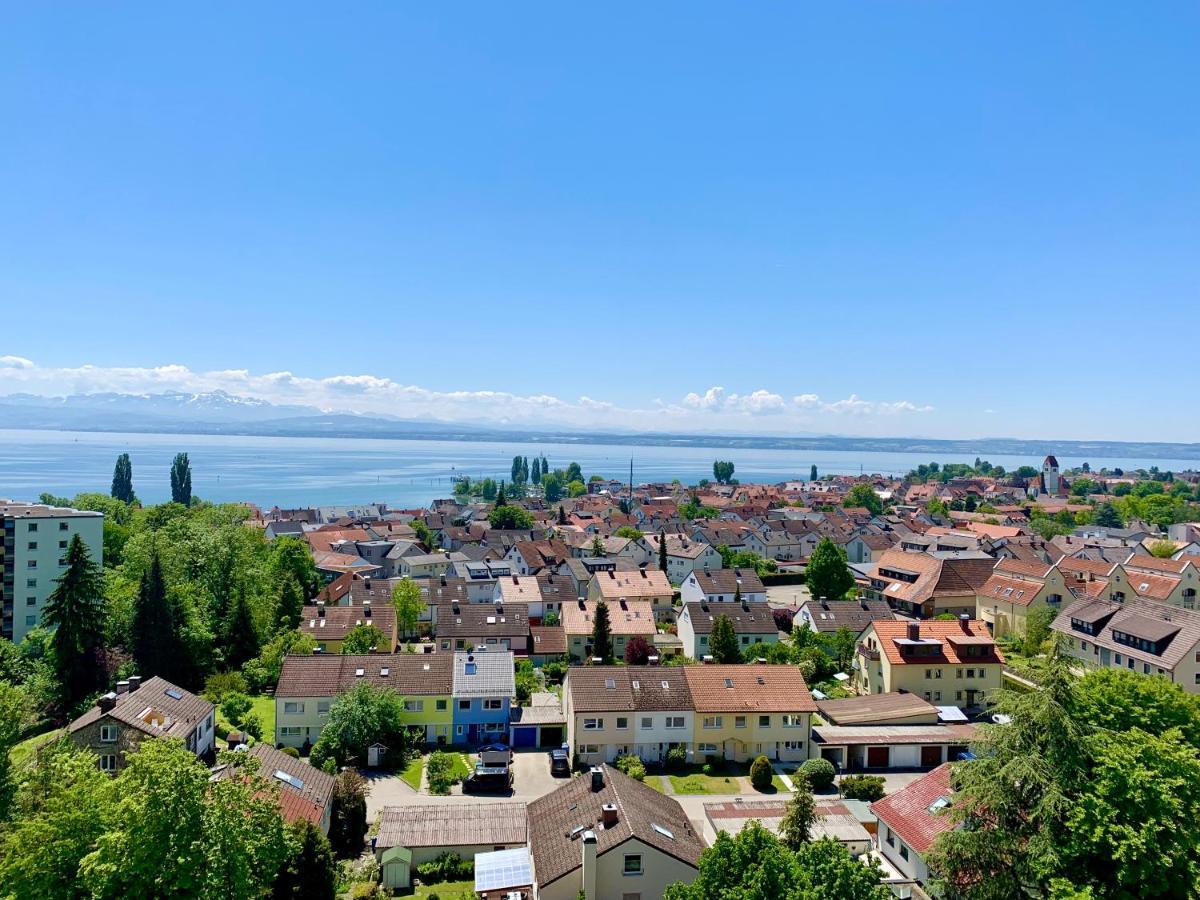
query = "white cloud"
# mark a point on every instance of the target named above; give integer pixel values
(713, 410)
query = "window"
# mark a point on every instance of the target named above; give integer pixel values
(622, 722)
(633, 864)
(937, 696)
(414, 705)
(739, 721)
(108, 763)
(493, 704)
(647, 721)
(793, 745)
(903, 852)
(32, 563)
(928, 674)
(31, 621)
(290, 731)
(30, 582)
(62, 545)
(441, 705)
(890, 839)
(33, 526)
(791, 720)
(293, 707)
(458, 729)
(712, 721)
(33, 545)
(31, 601)
(674, 721)
(108, 734)
(62, 526)
(593, 724)
(764, 721)
(588, 749)
(707, 748)
(464, 704)
(322, 707)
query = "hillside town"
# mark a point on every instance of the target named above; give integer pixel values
(564, 685)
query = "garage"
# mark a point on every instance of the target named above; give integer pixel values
(552, 736)
(540, 724)
(878, 757)
(931, 756)
(524, 737)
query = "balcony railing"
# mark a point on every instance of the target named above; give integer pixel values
(870, 654)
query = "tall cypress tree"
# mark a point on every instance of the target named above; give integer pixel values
(122, 480)
(537, 470)
(562, 515)
(291, 600)
(662, 549)
(723, 642)
(501, 500)
(153, 633)
(75, 610)
(812, 474)
(602, 634)
(181, 480)
(241, 637)
(515, 471)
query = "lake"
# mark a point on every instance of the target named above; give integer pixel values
(321, 471)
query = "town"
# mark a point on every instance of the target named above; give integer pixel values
(564, 684)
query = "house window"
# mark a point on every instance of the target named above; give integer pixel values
(464, 704)
(622, 722)
(290, 731)
(493, 704)
(33, 526)
(647, 721)
(589, 749)
(633, 864)
(108, 763)
(33, 545)
(674, 721)
(890, 839)
(764, 721)
(108, 734)
(62, 526)
(708, 748)
(414, 705)
(32, 563)
(791, 720)
(441, 705)
(322, 707)
(458, 729)
(293, 707)
(793, 745)
(593, 724)
(62, 545)
(712, 721)
(30, 621)
(739, 721)
(903, 852)
(30, 582)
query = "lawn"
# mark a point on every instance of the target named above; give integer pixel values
(21, 753)
(462, 768)
(448, 890)
(699, 783)
(412, 772)
(655, 781)
(263, 707)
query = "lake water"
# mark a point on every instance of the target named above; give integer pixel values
(320, 471)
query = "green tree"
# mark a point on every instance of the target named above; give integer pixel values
(290, 556)
(75, 610)
(291, 602)
(828, 575)
(181, 480)
(602, 634)
(722, 471)
(364, 639)
(516, 471)
(526, 682)
(536, 474)
(153, 632)
(122, 480)
(662, 550)
(263, 672)
(360, 717)
(574, 473)
(510, 518)
(501, 500)
(812, 473)
(488, 490)
(723, 642)
(760, 773)
(864, 495)
(1037, 629)
(795, 829)
(628, 531)
(241, 634)
(245, 840)
(576, 488)
(409, 606)
(424, 534)
(562, 515)
(1118, 700)
(598, 547)
(310, 871)
(553, 486)
(348, 822)
(15, 714)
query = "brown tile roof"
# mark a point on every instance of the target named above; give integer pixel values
(1010, 590)
(1154, 564)
(624, 617)
(889, 631)
(327, 675)
(548, 640)
(853, 614)
(746, 618)
(907, 812)
(1152, 587)
(727, 581)
(339, 621)
(755, 688)
(1023, 567)
(874, 708)
(308, 801)
(429, 825)
(157, 708)
(443, 589)
(633, 688)
(556, 839)
(1176, 628)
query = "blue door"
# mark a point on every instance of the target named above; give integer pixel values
(524, 737)
(472, 734)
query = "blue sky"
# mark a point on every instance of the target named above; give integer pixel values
(948, 219)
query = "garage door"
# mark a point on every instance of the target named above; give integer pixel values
(931, 756)
(878, 757)
(552, 735)
(525, 736)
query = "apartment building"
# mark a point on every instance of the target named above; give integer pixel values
(1015, 588)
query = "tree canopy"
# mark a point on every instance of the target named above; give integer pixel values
(828, 575)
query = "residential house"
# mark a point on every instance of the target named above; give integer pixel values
(616, 710)
(1173, 581)
(835, 819)
(1144, 636)
(308, 686)
(642, 585)
(305, 792)
(484, 686)
(531, 557)
(547, 643)
(951, 663)
(428, 565)
(753, 624)
(684, 555)
(475, 626)
(580, 571)
(626, 618)
(723, 586)
(481, 577)
(745, 711)
(911, 819)
(830, 616)
(122, 719)
(607, 836)
(868, 547)
(1015, 588)
(926, 585)
(329, 625)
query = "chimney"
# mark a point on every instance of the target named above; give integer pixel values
(367, 609)
(597, 774)
(608, 815)
(652, 659)
(589, 865)
(320, 610)
(824, 603)
(964, 619)
(107, 702)
(122, 687)
(914, 631)
(135, 682)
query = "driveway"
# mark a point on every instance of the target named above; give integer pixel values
(789, 595)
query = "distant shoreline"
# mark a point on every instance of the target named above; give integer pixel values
(380, 430)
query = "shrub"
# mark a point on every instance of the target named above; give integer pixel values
(219, 684)
(819, 773)
(632, 766)
(783, 619)
(291, 751)
(234, 707)
(252, 725)
(760, 773)
(446, 866)
(442, 777)
(863, 787)
(676, 759)
(706, 769)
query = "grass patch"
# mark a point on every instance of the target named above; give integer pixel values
(655, 782)
(23, 752)
(261, 706)
(448, 890)
(698, 783)
(412, 772)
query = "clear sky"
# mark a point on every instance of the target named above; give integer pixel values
(949, 219)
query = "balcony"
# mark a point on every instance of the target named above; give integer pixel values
(866, 651)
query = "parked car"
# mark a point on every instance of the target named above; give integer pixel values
(560, 763)
(489, 780)
(495, 755)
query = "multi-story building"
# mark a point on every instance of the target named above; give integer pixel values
(615, 710)
(745, 711)
(640, 585)
(753, 624)
(684, 555)
(947, 663)
(723, 586)
(308, 685)
(625, 620)
(1015, 588)
(926, 585)
(33, 555)
(1145, 577)
(483, 688)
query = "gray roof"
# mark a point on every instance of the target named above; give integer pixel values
(484, 674)
(427, 825)
(157, 708)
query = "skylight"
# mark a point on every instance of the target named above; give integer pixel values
(728, 682)
(665, 832)
(289, 779)
(359, 673)
(610, 684)
(385, 671)
(939, 804)
(174, 693)
(470, 668)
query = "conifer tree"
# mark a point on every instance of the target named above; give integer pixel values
(291, 601)
(562, 515)
(723, 642)
(662, 549)
(602, 634)
(122, 480)
(153, 630)
(241, 637)
(75, 610)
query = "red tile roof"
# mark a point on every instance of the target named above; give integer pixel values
(907, 812)
(888, 631)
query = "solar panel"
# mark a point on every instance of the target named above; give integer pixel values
(503, 869)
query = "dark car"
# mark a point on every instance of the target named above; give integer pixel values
(489, 780)
(560, 763)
